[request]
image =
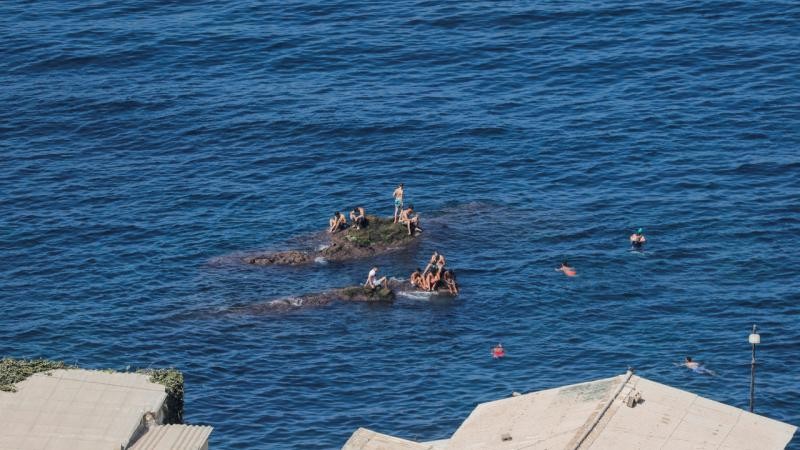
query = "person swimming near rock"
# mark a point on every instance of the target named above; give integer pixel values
(567, 269)
(337, 223)
(411, 219)
(498, 351)
(358, 217)
(373, 281)
(398, 201)
(637, 239)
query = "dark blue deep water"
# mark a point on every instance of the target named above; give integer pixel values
(144, 144)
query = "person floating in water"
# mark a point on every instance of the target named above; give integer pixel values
(358, 217)
(637, 239)
(498, 352)
(696, 366)
(410, 219)
(373, 281)
(337, 222)
(398, 201)
(567, 269)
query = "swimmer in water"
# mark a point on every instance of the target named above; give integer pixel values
(567, 269)
(697, 367)
(398, 201)
(637, 239)
(498, 352)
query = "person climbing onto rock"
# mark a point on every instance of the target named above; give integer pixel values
(358, 217)
(337, 222)
(637, 239)
(374, 282)
(567, 269)
(410, 219)
(398, 201)
(498, 351)
(450, 281)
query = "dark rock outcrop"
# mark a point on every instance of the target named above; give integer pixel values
(379, 236)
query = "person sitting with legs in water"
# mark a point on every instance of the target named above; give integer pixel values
(337, 222)
(567, 269)
(637, 239)
(410, 219)
(358, 217)
(450, 281)
(416, 278)
(373, 281)
(432, 279)
(398, 201)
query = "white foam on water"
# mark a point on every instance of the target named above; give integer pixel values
(320, 260)
(322, 247)
(416, 295)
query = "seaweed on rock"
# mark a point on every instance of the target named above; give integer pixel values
(12, 371)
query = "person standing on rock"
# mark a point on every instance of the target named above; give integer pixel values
(398, 201)
(373, 281)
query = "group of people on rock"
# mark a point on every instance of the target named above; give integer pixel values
(637, 242)
(434, 276)
(358, 218)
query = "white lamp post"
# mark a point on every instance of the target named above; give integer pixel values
(754, 340)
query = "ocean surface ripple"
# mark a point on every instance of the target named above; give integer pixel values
(144, 144)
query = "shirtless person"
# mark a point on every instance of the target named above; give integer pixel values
(432, 279)
(567, 269)
(398, 201)
(450, 281)
(358, 217)
(337, 222)
(431, 263)
(372, 280)
(410, 219)
(416, 278)
(637, 238)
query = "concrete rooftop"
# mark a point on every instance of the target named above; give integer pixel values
(603, 415)
(77, 410)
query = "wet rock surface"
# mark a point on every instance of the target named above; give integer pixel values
(381, 235)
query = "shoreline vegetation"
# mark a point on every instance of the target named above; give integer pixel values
(381, 235)
(13, 371)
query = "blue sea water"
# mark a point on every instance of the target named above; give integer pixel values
(144, 145)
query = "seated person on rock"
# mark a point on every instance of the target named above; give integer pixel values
(450, 281)
(358, 217)
(337, 222)
(374, 282)
(432, 279)
(415, 278)
(410, 219)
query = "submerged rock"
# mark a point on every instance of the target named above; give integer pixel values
(379, 236)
